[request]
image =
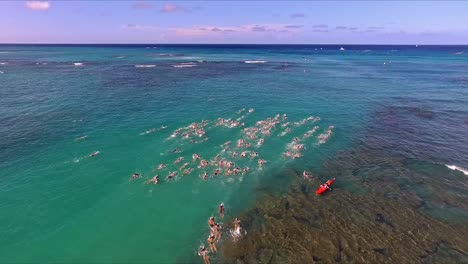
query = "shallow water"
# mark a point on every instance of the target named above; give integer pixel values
(58, 205)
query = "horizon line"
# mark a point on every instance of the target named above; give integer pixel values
(272, 44)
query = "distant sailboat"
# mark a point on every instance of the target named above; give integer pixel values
(342, 48)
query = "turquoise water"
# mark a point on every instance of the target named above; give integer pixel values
(59, 205)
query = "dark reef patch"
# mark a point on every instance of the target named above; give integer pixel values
(391, 203)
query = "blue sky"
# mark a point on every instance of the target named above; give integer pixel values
(301, 22)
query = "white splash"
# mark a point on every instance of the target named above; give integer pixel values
(145, 66)
(453, 167)
(255, 61)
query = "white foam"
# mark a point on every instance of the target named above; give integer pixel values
(459, 53)
(78, 64)
(185, 65)
(1, 72)
(145, 65)
(453, 167)
(255, 61)
(120, 57)
(3, 63)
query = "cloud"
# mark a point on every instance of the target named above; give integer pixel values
(294, 26)
(257, 28)
(38, 5)
(170, 8)
(320, 26)
(320, 30)
(341, 27)
(139, 27)
(297, 15)
(244, 29)
(142, 5)
(375, 28)
(251, 30)
(353, 28)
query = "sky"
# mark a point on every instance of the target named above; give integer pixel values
(255, 22)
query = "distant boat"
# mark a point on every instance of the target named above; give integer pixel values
(342, 48)
(416, 45)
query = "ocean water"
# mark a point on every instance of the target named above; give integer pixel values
(59, 204)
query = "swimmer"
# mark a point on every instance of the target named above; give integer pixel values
(234, 154)
(254, 154)
(179, 159)
(248, 145)
(184, 165)
(261, 162)
(225, 148)
(243, 154)
(227, 143)
(203, 163)
(211, 221)
(202, 252)
(216, 172)
(162, 127)
(296, 139)
(154, 180)
(176, 150)
(228, 172)
(94, 154)
(260, 142)
(205, 175)
(230, 164)
(171, 175)
(188, 171)
(221, 209)
(307, 175)
(218, 231)
(237, 170)
(326, 186)
(160, 167)
(134, 176)
(251, 110)
(81, 138)
(211, 242)
(296, 155)
(245, 170)
(236, 223)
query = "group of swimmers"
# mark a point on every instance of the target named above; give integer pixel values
(215, 234)
(223, 163)
(325, 136)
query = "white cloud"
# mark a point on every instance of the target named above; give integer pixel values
(170, 8)
(38, 5)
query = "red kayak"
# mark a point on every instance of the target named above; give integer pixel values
(324, 187)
